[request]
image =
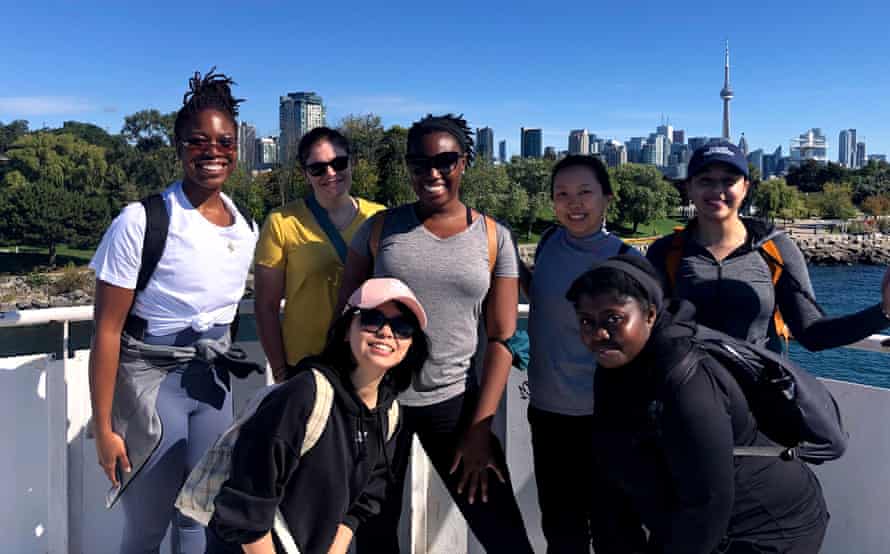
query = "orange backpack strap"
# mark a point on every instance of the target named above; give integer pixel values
(776, 265)
(491, 232)
(376, 233)
(673, 257)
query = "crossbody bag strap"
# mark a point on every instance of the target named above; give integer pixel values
(324, 221)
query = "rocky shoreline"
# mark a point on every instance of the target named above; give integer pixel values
(871, 249)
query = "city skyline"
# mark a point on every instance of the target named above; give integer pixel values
(787, 75)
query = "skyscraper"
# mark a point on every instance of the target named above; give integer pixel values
(266, 153)
(634, 148)
(485, 143)
(502, 151)
(298, 113)
(726, 95)
(531, 142)
(579, 142)
(755, 158)
(614, 153)
(860, 155)
(743, 144)
(550, 153)
(246, 146)
(697, 142)
(846, 147)
(811, 145)
(679, 136)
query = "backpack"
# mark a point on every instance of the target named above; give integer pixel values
(197, 496)
(792, 407)
(157, 223)
(771, 255)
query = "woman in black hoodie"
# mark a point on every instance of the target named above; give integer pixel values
(373, 349)
(668, 442)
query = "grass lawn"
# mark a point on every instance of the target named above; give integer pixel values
(33, 258)
(654, 228)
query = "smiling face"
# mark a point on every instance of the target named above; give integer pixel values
(378, 349)
(614, 328)
(578, 200)
(718, 192)
(436, 188)
(331, 184)
(208, 149)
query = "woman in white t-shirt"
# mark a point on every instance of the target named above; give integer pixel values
(159, 395)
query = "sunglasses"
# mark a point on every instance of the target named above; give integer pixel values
(203, 144)
(317, 169)
(444, 163)
(373, 321)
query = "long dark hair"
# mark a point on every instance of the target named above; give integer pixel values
(337, 353)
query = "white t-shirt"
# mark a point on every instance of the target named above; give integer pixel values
(200, 277)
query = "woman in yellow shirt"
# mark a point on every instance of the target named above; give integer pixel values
(299, 258)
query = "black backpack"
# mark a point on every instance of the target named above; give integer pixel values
(157, 223)
(792, 407)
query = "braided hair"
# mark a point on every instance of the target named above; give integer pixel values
(454, 125)
(212, 91)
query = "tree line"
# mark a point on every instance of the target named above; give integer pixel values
(64, 185)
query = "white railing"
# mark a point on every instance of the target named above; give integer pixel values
(856, 486)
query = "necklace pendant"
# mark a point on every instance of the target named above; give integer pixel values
(231, 246)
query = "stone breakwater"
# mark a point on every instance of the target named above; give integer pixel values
(845, 249)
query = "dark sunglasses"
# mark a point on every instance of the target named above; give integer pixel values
(202, 144)
(444, 163)
(374, 320)
(318, 169)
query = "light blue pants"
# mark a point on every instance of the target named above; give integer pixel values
(194, 410)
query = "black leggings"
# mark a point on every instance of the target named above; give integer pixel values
(497, 524)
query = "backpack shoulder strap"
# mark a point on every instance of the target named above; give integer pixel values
(392, 420)
(157, 222)
(545, 236)
(491, 233)
(773, 258)
(376, 232)
(321, 411)
(673, 257)
(245, 214)
(624, 248)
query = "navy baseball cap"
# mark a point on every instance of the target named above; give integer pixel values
(723, 152)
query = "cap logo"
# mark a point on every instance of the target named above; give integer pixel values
(714, 150)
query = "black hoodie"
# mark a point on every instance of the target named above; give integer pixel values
(341, 480)
(668, 443)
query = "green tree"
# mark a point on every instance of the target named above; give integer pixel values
(61, 160)
(775, 198)
(877, 205)
(12, 132)
(811, 176)
(149, 129)
(643, 194)
(365, 134)
(487, 188)
(837, 201)
(395, 183)
(89, 133)
(365, 180)
(533, 176)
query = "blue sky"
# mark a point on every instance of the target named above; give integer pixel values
(611, 67)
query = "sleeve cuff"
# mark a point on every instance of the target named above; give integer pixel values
(351, 521)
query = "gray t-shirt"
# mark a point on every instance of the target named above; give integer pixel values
(450, 278)
(560, 370)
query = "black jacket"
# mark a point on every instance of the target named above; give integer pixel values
(737, 296)
(341, 480)
(668, 444)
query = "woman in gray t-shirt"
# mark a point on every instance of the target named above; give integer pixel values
(443, 250)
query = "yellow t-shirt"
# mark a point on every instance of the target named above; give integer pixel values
(291, 240)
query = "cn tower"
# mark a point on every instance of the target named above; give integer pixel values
(726, 95)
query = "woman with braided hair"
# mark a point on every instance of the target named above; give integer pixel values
(159, 395)
(461, 265)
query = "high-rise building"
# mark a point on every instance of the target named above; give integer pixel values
(656, 152)
(679, 136)
(743, 144)
(485, 143)
(697, 142)
(846, 148)
(579, 142)
(860, 155)
(531, 143)
(502, 151)
(596, 145)
(726, 94)
(772, 163)
(634, 149)
(246, 146)
(811, 145)
(877, 158)
(550, 153)
(266, 153)
(298, 113)
(614, 153)
(755, 159)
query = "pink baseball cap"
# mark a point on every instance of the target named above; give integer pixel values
(381, 290)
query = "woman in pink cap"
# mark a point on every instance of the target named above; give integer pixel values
(373, 350)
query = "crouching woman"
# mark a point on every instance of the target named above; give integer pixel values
(669, 442)
(373, 350)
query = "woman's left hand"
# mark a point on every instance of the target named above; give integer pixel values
(476, 452)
